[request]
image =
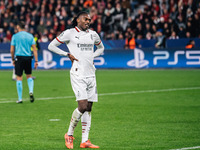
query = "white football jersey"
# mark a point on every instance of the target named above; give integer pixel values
(81, 46)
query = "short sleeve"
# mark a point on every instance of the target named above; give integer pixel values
(33, 41)
(64, 36)
(97, 39)
(13, 41)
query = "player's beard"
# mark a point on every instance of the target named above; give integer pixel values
(87, 26)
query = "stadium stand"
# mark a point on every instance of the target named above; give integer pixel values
(112, 19)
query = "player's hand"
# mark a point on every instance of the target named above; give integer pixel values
(72, 58)
(13, 62)
(36, 65)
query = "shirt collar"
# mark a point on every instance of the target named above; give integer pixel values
(78, 30)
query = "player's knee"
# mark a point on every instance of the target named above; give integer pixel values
(82, 108)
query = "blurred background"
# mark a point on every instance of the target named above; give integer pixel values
(149, 25)
(139, 108)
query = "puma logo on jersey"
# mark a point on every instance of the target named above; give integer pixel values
(77, 37)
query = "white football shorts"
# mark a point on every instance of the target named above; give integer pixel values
(84, 88)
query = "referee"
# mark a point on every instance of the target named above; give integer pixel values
(20, 50)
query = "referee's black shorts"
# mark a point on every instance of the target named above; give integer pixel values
(23, 63)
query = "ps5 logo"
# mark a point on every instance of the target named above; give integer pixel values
(47, 61)
(192, 57)
(138, 61)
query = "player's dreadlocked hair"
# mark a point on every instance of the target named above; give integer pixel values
(74, 21)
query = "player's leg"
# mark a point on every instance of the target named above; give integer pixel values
(30, 82)
(19, 73)
(79, 88)
(86, 122)
(86, 125)
(86, 117)
(76, 116)
(14, 77)
(19, 88)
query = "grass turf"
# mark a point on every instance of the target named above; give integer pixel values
(137, 121)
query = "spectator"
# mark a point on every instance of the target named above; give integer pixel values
(181, 32)
(44, 38)
(8, 35)
(167, 32)
(196, 23)
(109, 9)
(126, 6)
(173, 13)
(2, 35)
(41, 27)
(62, 25)
(188, 34)
(108, 16)
(120, 36)
(33, 26)
(5, 26)
(139, 31)
(130, 41)
(7, 18)
(11, 28)
(108, 22)
(190, 29)
(173, 36)
(2, 7)
(160, 39)
(118, 17)
(93, 14)
(88, 3)
(153, 31)
(190, 45)
(148, 36)
(165, 15)
(147, 29)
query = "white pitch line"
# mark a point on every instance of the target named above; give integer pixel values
(150, 91)
(186, 148)
(54, 119)
(106, 94)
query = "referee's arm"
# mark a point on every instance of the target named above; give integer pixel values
(12, 51)
(35, 55)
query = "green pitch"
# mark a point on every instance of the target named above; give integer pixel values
(137, 110)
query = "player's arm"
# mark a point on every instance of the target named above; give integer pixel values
(12, 51)
(99, 50)
(53, 46)
(35, 55)
(98, 43)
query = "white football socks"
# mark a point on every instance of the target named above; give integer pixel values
(76, 116)
(86, 123)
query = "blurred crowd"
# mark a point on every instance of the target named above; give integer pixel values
(112, 19)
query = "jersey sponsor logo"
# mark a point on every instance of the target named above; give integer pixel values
(85, 47)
